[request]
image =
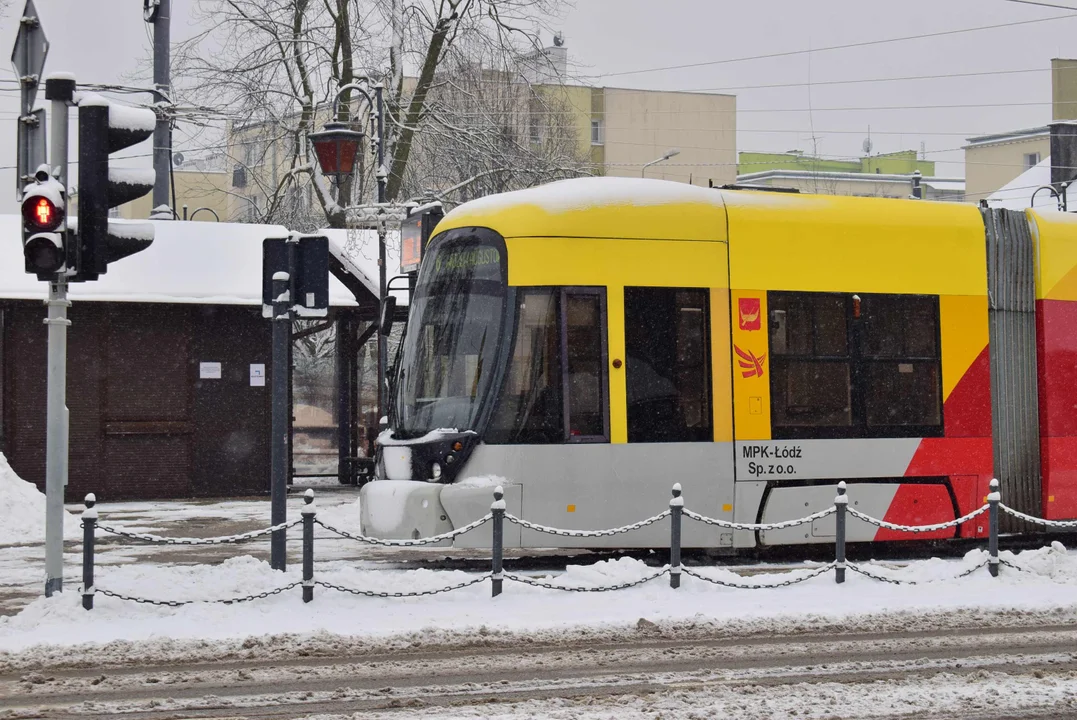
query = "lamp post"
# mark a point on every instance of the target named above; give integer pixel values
(667, 156)
(337, 147)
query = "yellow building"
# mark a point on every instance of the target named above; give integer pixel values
(207, 191)
(992, 161)
(680, 136)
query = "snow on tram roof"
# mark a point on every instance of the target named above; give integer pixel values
(583, 193)
(200, 263)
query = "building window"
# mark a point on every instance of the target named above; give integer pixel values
(838, 370)
(239, 176)
(596, 132)
(668, 365)
(1031, 160)
(556, 389)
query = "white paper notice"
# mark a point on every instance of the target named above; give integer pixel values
(258, 374)
(209, 370)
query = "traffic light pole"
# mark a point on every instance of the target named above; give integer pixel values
(280, 439)
(60, 90)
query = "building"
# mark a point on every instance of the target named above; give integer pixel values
(202, 187)
(891, 175)
(857, 184)
(993, 161)
(600, 130)
(169, 365)
(899, 163)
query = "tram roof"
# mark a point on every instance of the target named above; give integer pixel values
(599, 207)
(636, 208)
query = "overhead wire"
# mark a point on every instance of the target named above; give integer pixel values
(841, 46)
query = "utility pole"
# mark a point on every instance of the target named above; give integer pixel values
(383, 339)
(159, 13)
(60, 89)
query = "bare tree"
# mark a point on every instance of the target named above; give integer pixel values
(276, 66)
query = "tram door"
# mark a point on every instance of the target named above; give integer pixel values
(670, 393)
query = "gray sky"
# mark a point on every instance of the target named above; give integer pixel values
(609, 40)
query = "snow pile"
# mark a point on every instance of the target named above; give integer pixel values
(22, 511)
(1046, 584)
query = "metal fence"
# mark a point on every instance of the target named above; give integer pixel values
(676, 512)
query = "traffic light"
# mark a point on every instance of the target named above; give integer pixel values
(43, 242)
(105, 128)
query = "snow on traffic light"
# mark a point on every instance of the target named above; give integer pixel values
(104, 128)
(43, 239)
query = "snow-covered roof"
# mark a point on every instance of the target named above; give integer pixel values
(1017, 194)
(937, 183)
(200, 263)
(1008, 137)
(357, 251)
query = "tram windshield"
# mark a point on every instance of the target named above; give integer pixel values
(451, 345)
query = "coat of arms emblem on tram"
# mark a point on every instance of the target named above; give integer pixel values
(749, 314)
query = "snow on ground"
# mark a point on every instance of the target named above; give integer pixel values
(22, 511)
(987, 692)
(1046, 586)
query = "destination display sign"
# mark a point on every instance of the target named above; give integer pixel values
(478, 262)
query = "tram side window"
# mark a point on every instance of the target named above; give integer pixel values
(899, 345)
(555, 389)
(585, 365)
(530, 410)
(667, 365)
(839, 373)
(811, 367)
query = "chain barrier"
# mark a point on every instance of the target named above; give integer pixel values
(602, 588)
(759, 526)
(407, 543)
(146, 537)
(586, 533)
(417, 593)
(893, 581)
(744, 586)
(918, 528)
(498, 515)
(181, 603)
(1039, 521)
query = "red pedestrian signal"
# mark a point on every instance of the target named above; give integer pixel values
(43, 240)
(41, 213)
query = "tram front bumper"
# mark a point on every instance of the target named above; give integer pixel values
(402, 510)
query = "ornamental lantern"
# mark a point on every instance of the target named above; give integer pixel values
(337, 148)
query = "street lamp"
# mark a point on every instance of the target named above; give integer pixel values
(667, 156)
(337, 148)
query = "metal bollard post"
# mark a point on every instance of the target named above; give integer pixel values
(309, 511)
(676, 508)
(993, 499)
(89, 525)
(497, 509)
(841, 504)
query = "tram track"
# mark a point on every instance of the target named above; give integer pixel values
(406, 682)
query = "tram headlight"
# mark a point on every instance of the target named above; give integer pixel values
(436, 470)
(450, 459)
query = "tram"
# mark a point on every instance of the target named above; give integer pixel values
(588, 343)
